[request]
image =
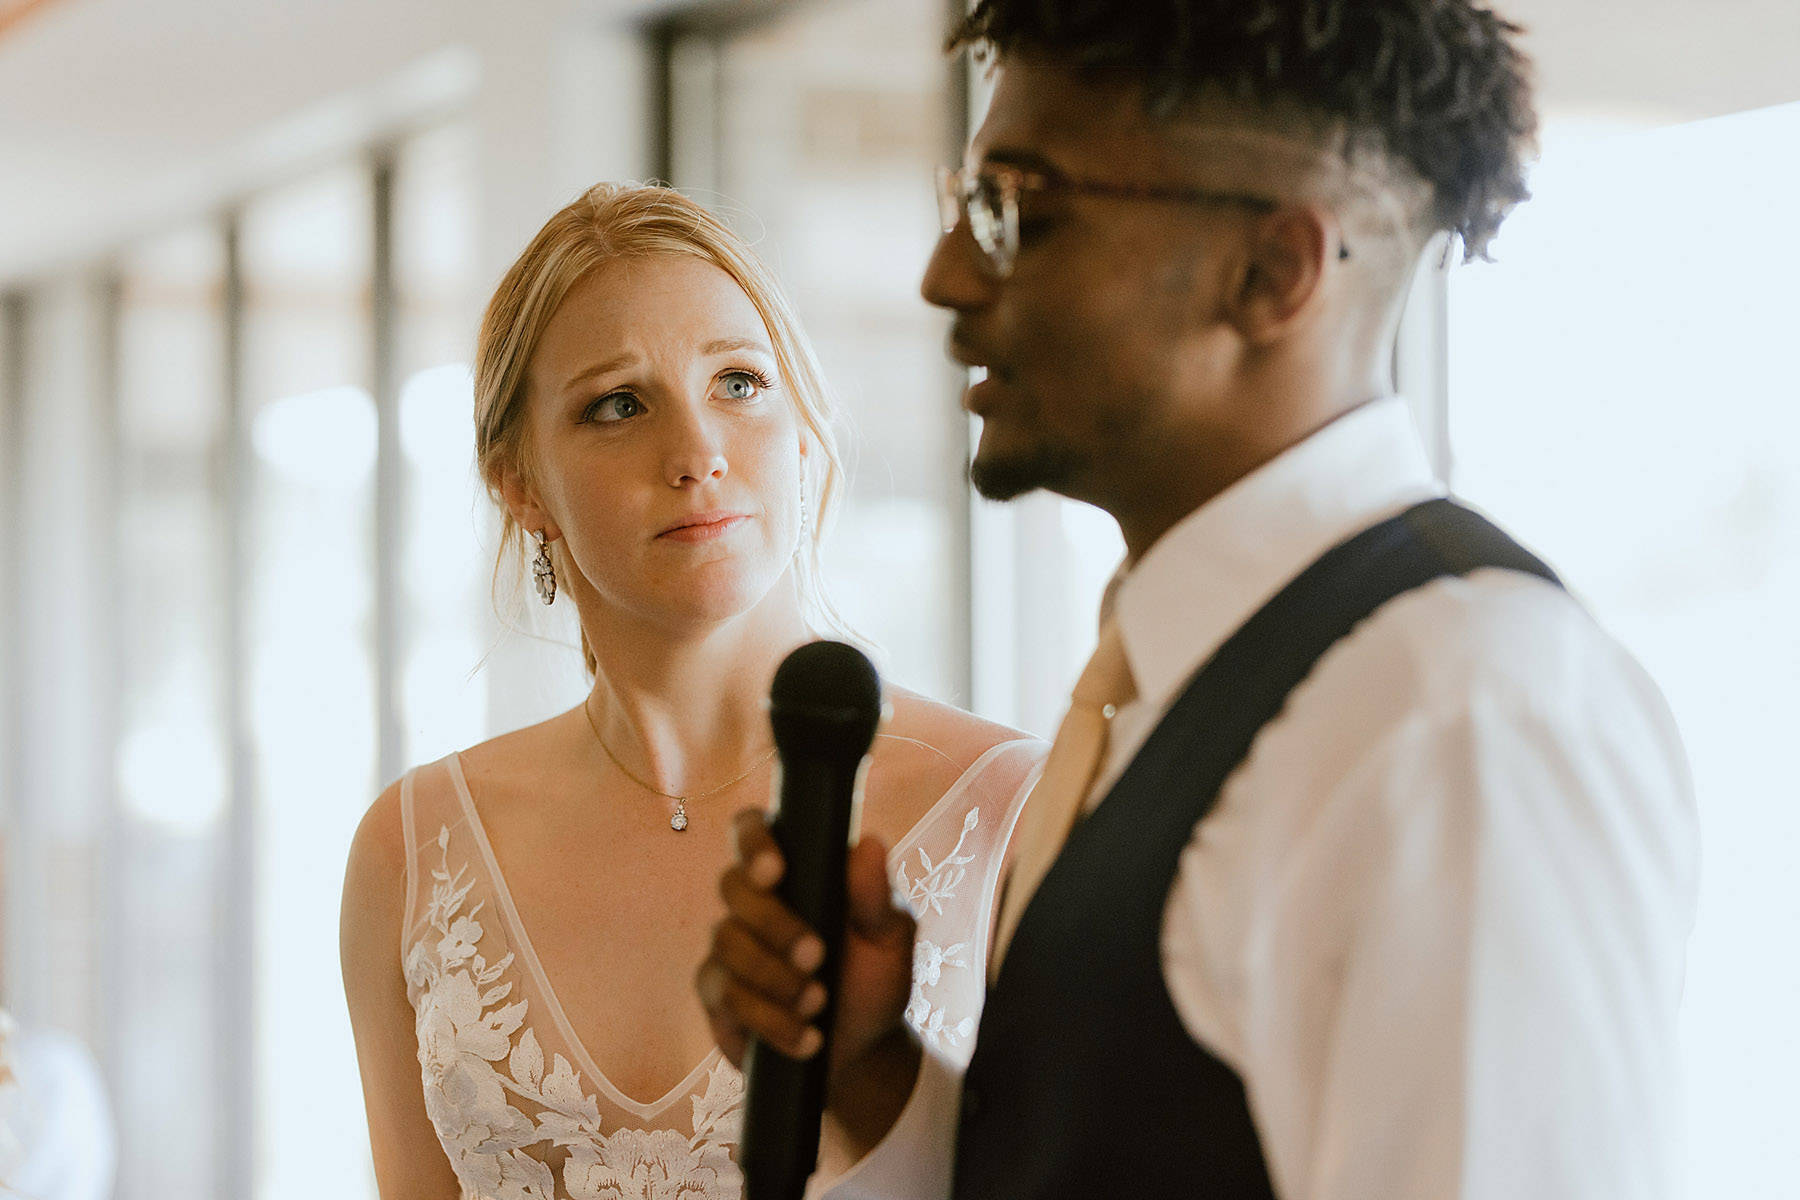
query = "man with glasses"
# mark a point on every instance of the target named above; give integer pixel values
(1363, 862)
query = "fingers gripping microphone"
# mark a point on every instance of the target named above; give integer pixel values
(824, 704)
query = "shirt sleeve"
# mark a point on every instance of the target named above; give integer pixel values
(1458, 971)
(914, 1160)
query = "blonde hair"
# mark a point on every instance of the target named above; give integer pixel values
(627, 220)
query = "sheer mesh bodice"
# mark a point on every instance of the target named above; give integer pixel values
(522, 1110)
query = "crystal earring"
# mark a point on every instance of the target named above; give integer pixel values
(543, 572)
(800, 540)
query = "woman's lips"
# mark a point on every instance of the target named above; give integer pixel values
(704, 528)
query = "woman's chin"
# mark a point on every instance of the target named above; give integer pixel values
(712, 598)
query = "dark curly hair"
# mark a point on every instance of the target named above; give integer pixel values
(1438, 83)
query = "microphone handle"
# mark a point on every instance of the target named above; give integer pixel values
(785, 1098)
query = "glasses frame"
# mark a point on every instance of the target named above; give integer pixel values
(960, 196)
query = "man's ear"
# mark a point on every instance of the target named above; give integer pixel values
(522, 502)
(1284, 270)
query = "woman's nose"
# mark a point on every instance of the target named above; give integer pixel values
(696, 453)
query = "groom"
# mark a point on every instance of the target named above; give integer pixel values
(1363, 862)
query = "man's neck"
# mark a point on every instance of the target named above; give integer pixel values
(1188, 477)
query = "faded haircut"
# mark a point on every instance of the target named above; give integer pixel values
(1432, 94)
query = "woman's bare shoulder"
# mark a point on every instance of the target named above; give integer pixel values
(517, 761)
(951, 733)
(924, 748)
(378, 848)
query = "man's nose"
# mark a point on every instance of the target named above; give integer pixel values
(957, 275)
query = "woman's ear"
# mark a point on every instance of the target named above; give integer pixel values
(1286, 265)
(522, 502)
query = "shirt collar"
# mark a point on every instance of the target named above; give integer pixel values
(1210, 573)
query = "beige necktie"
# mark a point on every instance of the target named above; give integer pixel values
(1069, 772)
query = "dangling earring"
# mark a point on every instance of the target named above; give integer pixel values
(800, 541)
(543, 571)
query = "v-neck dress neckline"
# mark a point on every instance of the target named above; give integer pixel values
(521, 941)
(519, 1104)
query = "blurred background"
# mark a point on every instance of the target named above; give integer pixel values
(245, 567)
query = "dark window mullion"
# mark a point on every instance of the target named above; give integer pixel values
(390, 490)
(19, 849)
(236, 1082)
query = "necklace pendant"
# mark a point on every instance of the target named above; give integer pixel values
(678, 822)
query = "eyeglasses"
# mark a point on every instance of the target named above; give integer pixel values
(988, 194)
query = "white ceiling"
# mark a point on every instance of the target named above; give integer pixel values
(114, 111)
(1662, 60)
(120, 115)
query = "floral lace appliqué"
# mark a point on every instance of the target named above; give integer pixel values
(476, 1072)
(936, 883)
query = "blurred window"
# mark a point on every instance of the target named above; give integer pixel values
(306, 254)
(172, 763)
(446, 522)
(1623, 395)
(12, 411)
(60, 882)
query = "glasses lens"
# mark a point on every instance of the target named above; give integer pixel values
(994, 219)
(989, 206)
(949, 183)
(987, 203)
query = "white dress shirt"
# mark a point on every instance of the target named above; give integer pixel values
(1437, 920)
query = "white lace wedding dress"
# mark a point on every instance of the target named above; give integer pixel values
(521, 1108)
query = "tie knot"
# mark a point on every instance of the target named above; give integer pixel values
(1106, 680)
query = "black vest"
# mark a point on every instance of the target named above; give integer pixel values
(1085, 1083)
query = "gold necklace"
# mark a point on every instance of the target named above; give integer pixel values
(679, 821)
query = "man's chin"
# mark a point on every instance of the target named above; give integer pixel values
(999, 477)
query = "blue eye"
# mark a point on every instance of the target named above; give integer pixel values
(616, 406)
(740, 385)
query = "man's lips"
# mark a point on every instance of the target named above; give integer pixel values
(986, 377)
(984, 387)
(966, 354)
(703, 527)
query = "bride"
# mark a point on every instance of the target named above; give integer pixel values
(522, 921)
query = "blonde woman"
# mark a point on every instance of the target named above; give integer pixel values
(522, 921)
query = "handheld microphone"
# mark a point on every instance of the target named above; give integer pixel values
(824, 704)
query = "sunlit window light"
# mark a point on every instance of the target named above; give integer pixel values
(1623, 395)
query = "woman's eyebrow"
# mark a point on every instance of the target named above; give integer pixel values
(733, 345)
(599, 370)
(718, 346)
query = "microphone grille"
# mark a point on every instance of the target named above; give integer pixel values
(828, 678)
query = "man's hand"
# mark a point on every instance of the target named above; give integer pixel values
(758, 979)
